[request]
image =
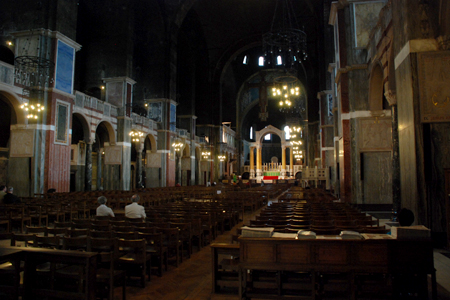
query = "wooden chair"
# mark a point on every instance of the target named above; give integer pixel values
(41, 230)
(133, 258)
(38, 216)
(77, 232)
(25, 239)
(58, 224)
(70, 276)
(171, 240)
(58, 231)
(19, 217)
(50, 242)
(101, 234)
(185, 236)
(127, 235)
(156, 249)
(108, 275)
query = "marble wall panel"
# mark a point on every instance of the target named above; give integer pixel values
(407, 138)
(22, 143)
(113, 155)
(377, 178)
(153, 160)
(185, 163)
(365, 18)
(434, 88)
(375, 134)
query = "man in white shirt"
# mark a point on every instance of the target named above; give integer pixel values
(103, 210)
(134, 210)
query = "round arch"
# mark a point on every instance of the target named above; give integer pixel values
(85, 126)
(270, 129)
(15, 102)
(111, 132)
(152, 143)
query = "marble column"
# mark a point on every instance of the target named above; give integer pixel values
(291, 161)
(258, 161)
(396, 200)
(139, 182)
(252, 162)
(283, 161)
(88, 168)
(99, 170)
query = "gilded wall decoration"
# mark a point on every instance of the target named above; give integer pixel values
(22, 143)
(113, 155)
(434, 78)
(375, 134)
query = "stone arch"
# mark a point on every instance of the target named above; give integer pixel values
(376, 88)
(150, 141)
(6, 55)
(270, 129)
(186, 150)
(110, 129)
(8, 94)
(85, 127)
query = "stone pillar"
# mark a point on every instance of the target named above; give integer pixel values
(396, 199)
(99, 170)
(139, 182)
(291, 161)
(283, 160)
(178, 166)
(252, 162)
(258, 160)
(88, 167)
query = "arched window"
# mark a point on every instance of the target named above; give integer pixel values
(261, 61)
(279, 60)
(267, 137)
(251, 132)
(245, 60)
(287, 133)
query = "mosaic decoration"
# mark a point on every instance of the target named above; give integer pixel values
(64, 67)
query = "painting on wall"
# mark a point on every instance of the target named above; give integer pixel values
(155, 111)
(64, 67)
(173, 117)
(62, 123)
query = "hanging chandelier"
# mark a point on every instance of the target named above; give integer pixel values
(285, 44)
(34, 73)
(287, 91)
(136, 135)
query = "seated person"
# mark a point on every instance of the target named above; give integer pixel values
(405, 217)
(103, 210)
(134, 210)
(10, 198)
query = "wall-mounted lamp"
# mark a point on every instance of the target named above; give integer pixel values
(136, 135)
(177, 146)
(206, 154)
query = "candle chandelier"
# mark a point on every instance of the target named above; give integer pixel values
(285, 44)
(136, 135)
(287, 91)
(34, 73)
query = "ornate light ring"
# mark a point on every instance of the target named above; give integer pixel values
(286, 38)
(34, 62)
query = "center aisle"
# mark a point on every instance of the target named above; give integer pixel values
(192, 280)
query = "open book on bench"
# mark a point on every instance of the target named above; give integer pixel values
(261, 232)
